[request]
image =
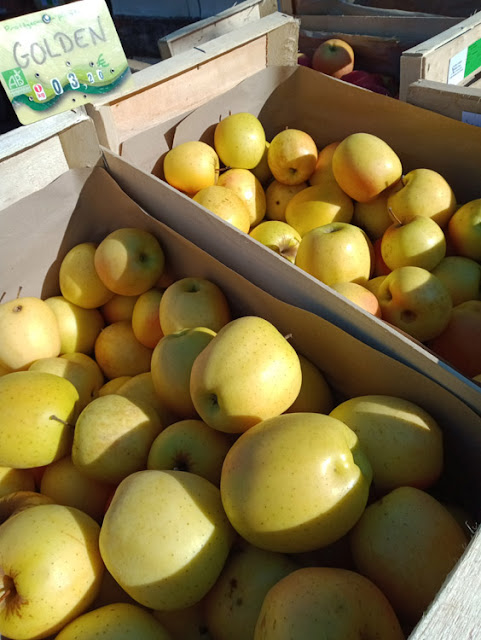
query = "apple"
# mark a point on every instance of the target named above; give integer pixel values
(460, 341)
(334, 57)
(16, 480)
(145, 318)
(278, 236)
(176, 556)
(78, 327)
(129, 261)
(110, 592)
(250, 190)
(112, 386)
(185, 624)
(248, 372)
(226, 204)
(89, 363)
(380, 268)
(407, 543)
(114, 621)
(193, 302)
(119, 353)
(292, 156)
(424, 193)
(28, 331)
(171, 366)
(374, 283)
(359, 295)
(415, 301)
(240, 140)
(190, 445)
(261, 170)
(191, 166)
(324, 164)
(464, 230)
(112, 438)
(17, 501)
(373, 216)
(315, 395)
(364, 165)
(314, 601)
(64, 551)
(295, 482)
(336, 252)
(118, 308)
(461, 276)
(278, 195)
(304, 59)
(141, 390)
(403, 442)
(419, 242)
(37, 418)
(79, 281)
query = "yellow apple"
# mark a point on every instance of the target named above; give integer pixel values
(171, 366)
(191, 166)
(78, 327)
(129, 261)
(373, 285)
(225, 204)
(78, 279)
(28, 331)
(464, 230)
(278, 236)
(145, 318)
(112, 386)
(278, 195)
(292, 156)
(261, 170)
(416, 301)
(240, 140)
(89, 363)
(326, 602)
(187, 623)
(17, 501)
(110, 592)
(141, 390)
(424, 193)
(16, 480)
(295, 482)
(119, 353)
(248, 372)
(51, 569)
(193, 302)
(176, 556)
(250, 190)
(364, 165)
(359, 295)
(324, 164)
(373, 216)
(336, 252)
(419, 242)
(315, 395)
(461, 276)
(112, 438)
(118, 308)
(407, 543)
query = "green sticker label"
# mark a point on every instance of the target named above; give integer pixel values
(473, 59)
(16, 82)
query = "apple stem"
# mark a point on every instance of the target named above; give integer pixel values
(2, 296)
(19, 291)
(5, 595)
(288, 336)
(67, 424)
(393, 216)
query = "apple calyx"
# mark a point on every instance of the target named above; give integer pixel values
(9, 596)
(183, 462)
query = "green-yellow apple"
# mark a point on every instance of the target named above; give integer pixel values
(278, 236)
(233, 604)
(326, 602)
(415, 301)
(37, 418)
(248, 372)
(460, 342)
(336, 252)
(118, 308)
(171, 366)
(193, 302)
(419, 242)
(373, 216)
(190, 445)
(51, 569)
(364, 165)
(334, 57)
(250, 190)
(464, 230)
(403, 442)
(261, 170)
(374, 283)
(112, 386)
(89, 363)
(28, 331)
(295, 482)
(112, 438)
(117, 621)
(65, 484)
(318, 204)
(16, 480)
(324, 164)
(315, 395)
(278, 195)
(79, 281)
(424, 193)
(176, 556)
(360, 295)
(462, 277)
(17, 501)
(240, 140)
(191, 166)
(226, 204)
(110, 592)
(119, 353)
(407, 543)
(78, 327)
(185, 624)
(145, 318)
(292, 156)
(141, 390)
(129, 261)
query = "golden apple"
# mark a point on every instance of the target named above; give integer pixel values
(187, 623)
(240, 140)
(359, 295)
(119, 353)
(419, 242)
(292, 156)
(191, 166)
(261, 170)
(278, 195)
(373, 216)
(334, 57)
(112, 386)
(145, 318)
(118, 308)
(17, 501)
(278, 236)
(78, 279)
(16, 480)
(226, 204)
(89, 363)
(464, 230)
(461, 276)
(324, 164)
(250, 190)
(315, 395)
(141, 390)
(78, 327)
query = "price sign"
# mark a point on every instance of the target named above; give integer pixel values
(57, 59)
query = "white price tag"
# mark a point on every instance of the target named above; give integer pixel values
(457, 66)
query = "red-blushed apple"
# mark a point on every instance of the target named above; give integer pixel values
(334, 57)
(191, 166)
(292, 156)
(462, 276)
(380, 268)
(226, 204)
(118, 308)
(119, 353)
(145, 318)
(278, 195)
(464, 230)
(278, 236)
(324, 163)
(419, 242)
(360, 296)
(240, 140)
(250, 190)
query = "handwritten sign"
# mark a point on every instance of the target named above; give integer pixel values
(57, 59)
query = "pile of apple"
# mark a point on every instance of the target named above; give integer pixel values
(172, 471)
(399, 245)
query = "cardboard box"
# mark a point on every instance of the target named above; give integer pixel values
(85, 203)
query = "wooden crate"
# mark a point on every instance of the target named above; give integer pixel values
(175, 86)
(454, 8)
